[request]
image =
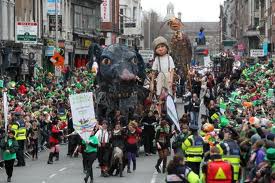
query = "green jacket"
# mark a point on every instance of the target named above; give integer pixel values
(92, 145)
(10, 145)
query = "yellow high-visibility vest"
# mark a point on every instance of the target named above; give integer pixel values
(194, 153)
(20, 133)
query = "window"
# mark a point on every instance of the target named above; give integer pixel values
(77, 20)
(257, 4)
(134, 13)
(256, 22)
(85, 18)
(91, 22)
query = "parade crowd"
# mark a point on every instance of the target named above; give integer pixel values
(227, 131)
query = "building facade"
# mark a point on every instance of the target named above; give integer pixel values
(86, 28)
(78, 22)
(109, 21)
(211, 30)
(9, 50)
(249, 23)
(131, 26)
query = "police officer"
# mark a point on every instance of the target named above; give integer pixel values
(178, 172)
(193, 148)
(18, 126)
(230, 150)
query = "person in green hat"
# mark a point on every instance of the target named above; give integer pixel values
(9, 147)
(266, 171)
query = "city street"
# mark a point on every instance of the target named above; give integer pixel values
(70, 170)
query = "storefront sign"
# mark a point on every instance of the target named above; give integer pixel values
(69, 48)
(106, 11)
(87, 43)
(51, 7)
(147, 55)
(52, 24)
(26, 32)
(265, 48)
(257, 53)
(49, 51)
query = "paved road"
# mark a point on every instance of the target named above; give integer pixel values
(69, 170)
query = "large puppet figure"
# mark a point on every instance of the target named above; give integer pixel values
(181, 48)
(163, 66)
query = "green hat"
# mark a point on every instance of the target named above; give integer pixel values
(270, 154)
(223, 121)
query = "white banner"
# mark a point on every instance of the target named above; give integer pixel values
(257, 53)
(6, 110)
(106, 11)
(82, 107)
(172, 111)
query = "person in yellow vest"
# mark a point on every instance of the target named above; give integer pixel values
(216, 170)
(18, 126)
(230, 151)
(178, 172)
(193, 148)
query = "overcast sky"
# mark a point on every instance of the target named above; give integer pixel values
(192, 10)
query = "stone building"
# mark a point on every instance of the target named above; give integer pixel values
(249, 22)
(130, 23)
(211, 30)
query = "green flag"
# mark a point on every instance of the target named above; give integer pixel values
(1, 83)
(270, 92)
(223, 105)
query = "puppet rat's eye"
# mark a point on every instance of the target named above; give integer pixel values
(106, 61)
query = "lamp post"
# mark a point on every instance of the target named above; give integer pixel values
(149, 31)
(56, 24)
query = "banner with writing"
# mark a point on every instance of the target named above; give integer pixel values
(82, 107)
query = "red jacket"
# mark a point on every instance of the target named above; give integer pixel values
(133, 138)
(55, 133)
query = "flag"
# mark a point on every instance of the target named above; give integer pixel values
(270, 93)
(1, 83)
(222, 107)
(171, 111)
(83, 113)
(6, 110)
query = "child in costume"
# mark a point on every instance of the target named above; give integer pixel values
(163, 65)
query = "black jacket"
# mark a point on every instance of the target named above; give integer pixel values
(194, 106)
